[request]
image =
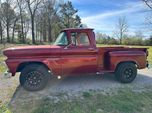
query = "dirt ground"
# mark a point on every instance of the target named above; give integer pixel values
(17, 97)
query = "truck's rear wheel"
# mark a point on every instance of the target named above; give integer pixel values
(34, 77)
(126, 72)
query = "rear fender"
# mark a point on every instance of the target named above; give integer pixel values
(137, 57)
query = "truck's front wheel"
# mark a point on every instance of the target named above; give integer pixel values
(126, 72)
(34, 77)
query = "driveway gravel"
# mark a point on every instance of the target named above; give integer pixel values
(10, 90)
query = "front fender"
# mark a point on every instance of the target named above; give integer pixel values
(16, 65)
(12, 65)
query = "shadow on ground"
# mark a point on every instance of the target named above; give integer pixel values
(24, 101)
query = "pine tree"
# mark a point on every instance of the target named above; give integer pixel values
(68, 17)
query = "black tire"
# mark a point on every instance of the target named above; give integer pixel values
(34, 77)
(126, 72)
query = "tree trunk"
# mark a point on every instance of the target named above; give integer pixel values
(13, 30)
(25, 35)
(22, 28)
(7, 30)
(50, 33)
(41, 34)
(25, 32)
(121, 38)
(1, 38)
(22, 24)
(1, 33)
(68, 25)
(13, 34)
(36, 32)
(44, 35)
(33, 34)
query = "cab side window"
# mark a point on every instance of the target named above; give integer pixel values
(80, 39)
(83, 39)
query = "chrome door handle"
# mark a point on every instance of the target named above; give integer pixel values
(91, 49)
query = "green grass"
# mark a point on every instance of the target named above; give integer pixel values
(4, 109)
(2, 66)
(125, 101)
(150, 55)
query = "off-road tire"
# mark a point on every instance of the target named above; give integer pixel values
(126, 72)
(34, 77)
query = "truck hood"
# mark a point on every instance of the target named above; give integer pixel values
(29, 51)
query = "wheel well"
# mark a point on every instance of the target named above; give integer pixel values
(22, 65)
(127, 62)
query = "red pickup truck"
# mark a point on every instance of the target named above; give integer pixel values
(73, 52)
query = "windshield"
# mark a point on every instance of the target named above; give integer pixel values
(61, 39)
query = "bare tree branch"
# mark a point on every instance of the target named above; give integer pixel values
(121, 28)
(148, 3)
(33, 6)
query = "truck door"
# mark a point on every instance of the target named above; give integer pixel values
(79, 56)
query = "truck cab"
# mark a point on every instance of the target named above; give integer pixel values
(79, 52)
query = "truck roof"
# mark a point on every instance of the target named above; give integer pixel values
(67, 29)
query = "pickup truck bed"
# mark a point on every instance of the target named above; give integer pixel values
(110, 57)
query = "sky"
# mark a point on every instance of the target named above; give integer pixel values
(103, 15)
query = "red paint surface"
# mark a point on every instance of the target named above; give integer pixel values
(75, 60)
